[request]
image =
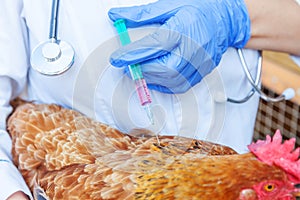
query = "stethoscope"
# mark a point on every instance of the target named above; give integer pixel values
(287, 94)
(54, 57)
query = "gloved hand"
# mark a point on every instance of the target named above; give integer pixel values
(189, 43)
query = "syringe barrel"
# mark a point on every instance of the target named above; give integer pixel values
(143, 92)
(140, 84)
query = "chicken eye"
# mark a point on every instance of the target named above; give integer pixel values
(269, 187)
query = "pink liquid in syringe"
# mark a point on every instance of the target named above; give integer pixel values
(143, 92)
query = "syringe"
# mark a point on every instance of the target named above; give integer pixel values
(135, 71)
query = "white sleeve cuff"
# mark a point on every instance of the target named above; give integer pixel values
(296, 59)
(11, 180)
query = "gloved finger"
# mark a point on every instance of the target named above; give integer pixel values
(187, 58)
(157, 12)
(158, 83)
(179, 86)
(169, 90)
(176, 71)
(166, 67)
(173, 73)
(164, 79)
(161, 71)
(175, 81)
(154, 45)
(173, 86)
(160, 88)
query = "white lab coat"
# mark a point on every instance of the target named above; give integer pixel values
(101, 91)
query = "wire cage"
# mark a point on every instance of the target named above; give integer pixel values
(284, 116)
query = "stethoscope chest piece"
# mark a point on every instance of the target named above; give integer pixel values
(52, 57)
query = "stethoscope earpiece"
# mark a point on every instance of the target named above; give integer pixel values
(288, 93)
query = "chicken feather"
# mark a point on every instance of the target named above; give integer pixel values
(70, 156)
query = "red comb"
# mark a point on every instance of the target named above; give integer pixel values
(273, 151)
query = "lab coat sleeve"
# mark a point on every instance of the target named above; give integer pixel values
(13, 70)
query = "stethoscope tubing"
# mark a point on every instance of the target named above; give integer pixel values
(248, 74)
(287, 94)
(53, 20)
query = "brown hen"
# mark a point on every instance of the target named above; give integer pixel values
(69, 156)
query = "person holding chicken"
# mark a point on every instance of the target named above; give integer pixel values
(194, 40)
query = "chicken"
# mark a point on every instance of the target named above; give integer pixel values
(64, 155)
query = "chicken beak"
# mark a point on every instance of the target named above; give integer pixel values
(296, 196)
(296, 193)
(247, 194)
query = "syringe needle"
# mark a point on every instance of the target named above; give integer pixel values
(150, 117)
(149, 113)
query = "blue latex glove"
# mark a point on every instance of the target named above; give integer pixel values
(188, 45)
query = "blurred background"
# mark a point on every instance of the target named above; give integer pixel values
(278, 73)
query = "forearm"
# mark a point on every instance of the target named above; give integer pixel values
(275, 25)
